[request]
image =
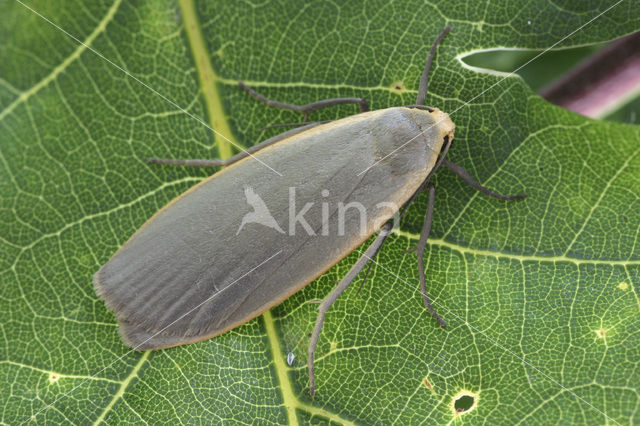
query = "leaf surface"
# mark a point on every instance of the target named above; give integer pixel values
(541, 296)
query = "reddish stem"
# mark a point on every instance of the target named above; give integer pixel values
(601, 81)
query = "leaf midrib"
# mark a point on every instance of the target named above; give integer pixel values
(224, 138)
(208, 80)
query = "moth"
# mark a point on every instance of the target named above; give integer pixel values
(221, 254)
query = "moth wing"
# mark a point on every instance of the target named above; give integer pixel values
(197, 269)
(141, 339)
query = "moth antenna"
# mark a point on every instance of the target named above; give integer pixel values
(424, 78)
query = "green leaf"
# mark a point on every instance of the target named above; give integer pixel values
(541, 296)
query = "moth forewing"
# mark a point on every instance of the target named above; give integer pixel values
(183, 276)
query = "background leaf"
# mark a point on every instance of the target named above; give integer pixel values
(541, 296)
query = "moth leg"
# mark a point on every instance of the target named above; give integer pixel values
(307, 108)
(239, 156)
(424, 78)
(422, 244)
(302, 123)
(366, 274)
(465, 176)
(337, 291)
(194, 163)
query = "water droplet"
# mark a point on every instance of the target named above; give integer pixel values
(290, 357)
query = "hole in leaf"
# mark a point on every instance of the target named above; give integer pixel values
(539, 72)
(464, 403)
(591, 80)
(398, 87)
